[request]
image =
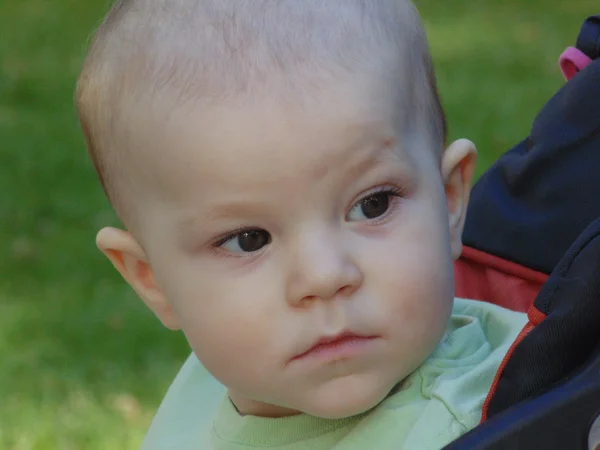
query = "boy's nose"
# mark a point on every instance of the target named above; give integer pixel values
(321, 268)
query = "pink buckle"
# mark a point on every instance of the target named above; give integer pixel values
(572, 61)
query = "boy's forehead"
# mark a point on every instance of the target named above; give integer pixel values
(266, 143)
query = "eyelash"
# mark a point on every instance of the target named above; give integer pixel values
(396, 192)
(231, 234)
(392, 191)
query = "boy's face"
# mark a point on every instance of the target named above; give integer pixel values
(271, 228)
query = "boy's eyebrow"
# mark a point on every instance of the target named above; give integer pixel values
(389, 149)
(373, 154)
(386, 151)
(192, 222)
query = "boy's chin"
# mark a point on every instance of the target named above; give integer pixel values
(338, 398)
(347, 402)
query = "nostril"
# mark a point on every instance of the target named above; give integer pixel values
(346, 290)
(307, 301)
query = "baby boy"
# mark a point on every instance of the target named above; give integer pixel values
(290, 204)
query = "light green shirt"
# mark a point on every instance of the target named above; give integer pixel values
(436, 404)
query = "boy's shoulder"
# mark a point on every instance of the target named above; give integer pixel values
(499, 324)
(185, 416)
(462, 369)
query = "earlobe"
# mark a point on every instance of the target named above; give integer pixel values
(130, 260)
(458, 169)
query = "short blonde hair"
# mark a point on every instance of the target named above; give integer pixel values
(192, 50)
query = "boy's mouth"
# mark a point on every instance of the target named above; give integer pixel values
(340, 346)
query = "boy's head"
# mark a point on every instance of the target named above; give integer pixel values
(279, 165)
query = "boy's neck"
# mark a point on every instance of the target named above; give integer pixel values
(247, 407)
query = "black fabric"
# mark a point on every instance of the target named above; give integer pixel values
(564, 341)
(532, 204)
(589, 37)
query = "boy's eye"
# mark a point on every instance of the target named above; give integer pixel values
(372, 207)
(247, 241)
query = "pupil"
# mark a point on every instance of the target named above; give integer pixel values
(251, 241)
(375, 205)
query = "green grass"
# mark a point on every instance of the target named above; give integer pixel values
(82, 364)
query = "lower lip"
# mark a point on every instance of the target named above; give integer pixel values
(345, 348)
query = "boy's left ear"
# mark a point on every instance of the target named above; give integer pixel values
(458, 169)
(129, 258)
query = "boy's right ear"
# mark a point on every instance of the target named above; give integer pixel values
(130, 260)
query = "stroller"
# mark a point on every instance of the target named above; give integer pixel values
(532, 244)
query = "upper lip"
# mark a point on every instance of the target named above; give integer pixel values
(328, 340)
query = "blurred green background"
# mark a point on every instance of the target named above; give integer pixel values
(82, 364)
